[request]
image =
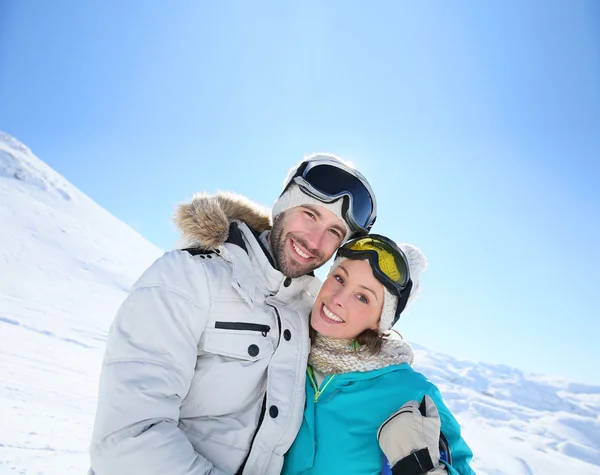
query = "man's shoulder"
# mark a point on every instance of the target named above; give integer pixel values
(184, 268)
(188, 257)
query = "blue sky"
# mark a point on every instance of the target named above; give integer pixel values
(477, 123)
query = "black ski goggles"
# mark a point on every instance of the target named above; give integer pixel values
(328, 182)
(388, 262)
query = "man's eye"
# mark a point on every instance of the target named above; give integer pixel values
(335, 232)
(309, 214)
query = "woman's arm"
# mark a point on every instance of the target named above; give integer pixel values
(459, 450)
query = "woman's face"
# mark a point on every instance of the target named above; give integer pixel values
(350, 301)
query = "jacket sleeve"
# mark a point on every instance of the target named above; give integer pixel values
(460, 451)
(148, 367)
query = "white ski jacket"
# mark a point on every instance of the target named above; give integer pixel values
(205, 362)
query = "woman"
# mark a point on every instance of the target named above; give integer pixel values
(359, 374)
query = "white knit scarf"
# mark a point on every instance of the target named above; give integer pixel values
(336, 356)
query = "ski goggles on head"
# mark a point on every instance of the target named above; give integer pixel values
(329, 181)
(388, 262)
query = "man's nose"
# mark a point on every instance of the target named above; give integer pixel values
(314, 237)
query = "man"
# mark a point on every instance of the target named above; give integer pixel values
(205, 362)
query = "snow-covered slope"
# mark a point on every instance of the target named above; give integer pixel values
(518, 423)
(65, 266)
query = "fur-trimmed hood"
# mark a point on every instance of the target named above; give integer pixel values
(204, 222)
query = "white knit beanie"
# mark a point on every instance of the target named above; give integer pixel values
(417, 263)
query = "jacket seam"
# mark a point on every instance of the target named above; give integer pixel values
(185, 429)
(186, 323)
(117, 361)
(176, 292)
(115, 438)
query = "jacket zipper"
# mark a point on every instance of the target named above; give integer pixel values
(254, 327)
(312, 380)
(264, 403)
(263, 410)
(278, 321)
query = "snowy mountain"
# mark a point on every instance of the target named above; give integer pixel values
(518, 423)
(65, 266)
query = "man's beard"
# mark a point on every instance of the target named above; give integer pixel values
(286, 265)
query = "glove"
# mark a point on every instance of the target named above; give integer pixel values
(410, 439)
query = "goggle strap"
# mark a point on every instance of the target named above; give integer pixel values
(346, 211)
(402, 301)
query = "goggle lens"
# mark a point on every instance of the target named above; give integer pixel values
(389, 263)
(334, 181)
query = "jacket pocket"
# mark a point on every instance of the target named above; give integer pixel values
(241, 326)
(242, 344)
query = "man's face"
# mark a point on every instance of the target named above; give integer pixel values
(304, 238)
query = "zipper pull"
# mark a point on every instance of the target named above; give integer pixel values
(318, 392)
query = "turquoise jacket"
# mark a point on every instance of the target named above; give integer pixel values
(339, 431)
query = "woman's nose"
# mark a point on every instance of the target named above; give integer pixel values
(340, 297)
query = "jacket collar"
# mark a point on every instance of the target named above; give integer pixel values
(205, 222)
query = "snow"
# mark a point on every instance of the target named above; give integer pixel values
(65, 266)
(518, 423)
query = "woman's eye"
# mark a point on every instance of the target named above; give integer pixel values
(362, 298)
(339, 279)
(309, 214)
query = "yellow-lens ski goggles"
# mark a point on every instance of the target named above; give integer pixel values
(388, 262)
